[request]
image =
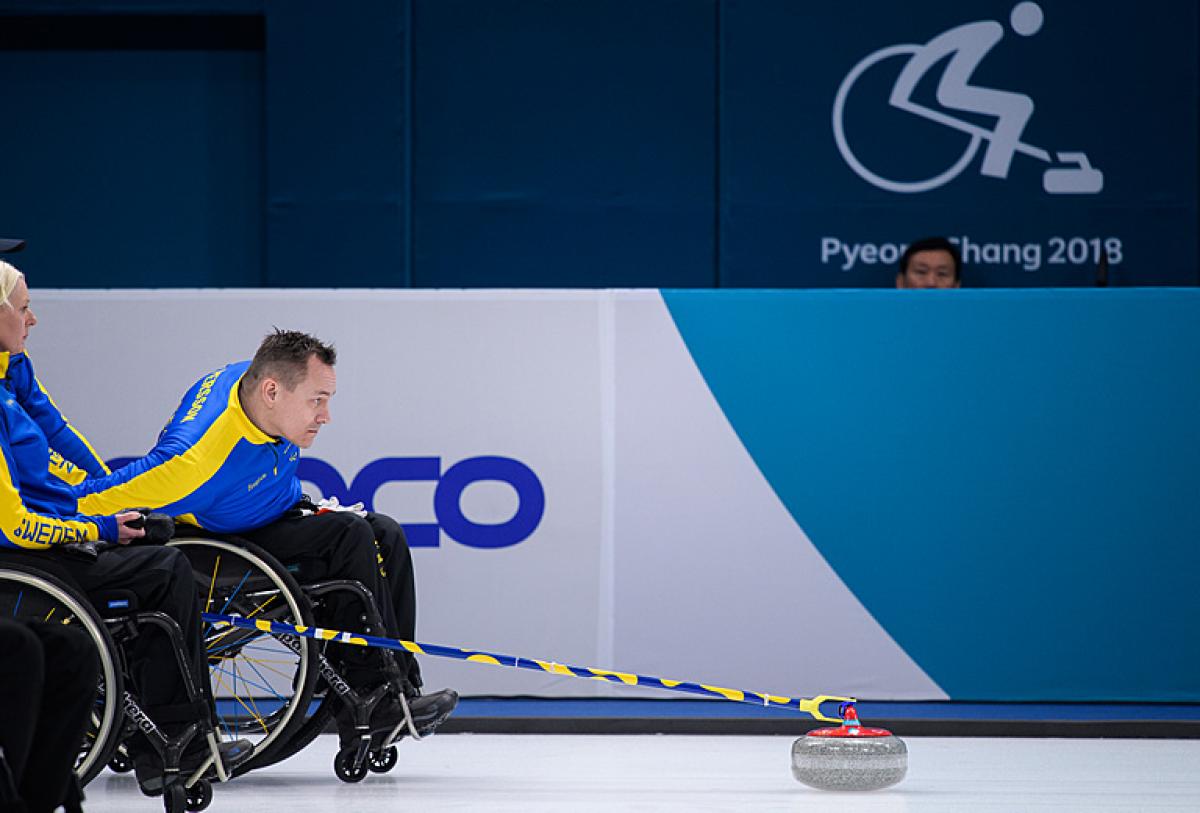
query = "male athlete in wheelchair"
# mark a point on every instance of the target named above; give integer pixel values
(227, 463)
(51, 552)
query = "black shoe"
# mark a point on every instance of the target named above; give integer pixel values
(148, 765)
(427, 711)
(431, 710)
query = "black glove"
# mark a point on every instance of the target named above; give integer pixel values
(159, 527)
(83, 551)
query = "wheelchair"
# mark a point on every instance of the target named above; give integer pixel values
(33, 588)
(283, 689)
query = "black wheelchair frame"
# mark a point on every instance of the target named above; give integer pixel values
(33, 589)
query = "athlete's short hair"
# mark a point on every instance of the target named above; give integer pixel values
(933, 244)
(284, 354)
(9, 277)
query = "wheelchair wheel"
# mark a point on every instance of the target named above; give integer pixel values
(175, 798)
(384, 760)
(344, 767)
(29, 594)
(120, 762)
(262, 681)
(316, 724)
(324, 711)
(199, 796)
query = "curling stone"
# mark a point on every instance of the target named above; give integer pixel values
(849, 757)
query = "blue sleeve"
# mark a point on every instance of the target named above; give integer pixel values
(167, 478)
(182, 473)
(60, 435)
(30, 530)
(107, 526)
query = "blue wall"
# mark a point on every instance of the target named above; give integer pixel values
(560, 144)
(133, 167)
(681, 143)
(1006, 480)
(1116, 82)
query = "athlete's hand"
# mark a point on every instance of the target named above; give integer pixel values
(125, 532)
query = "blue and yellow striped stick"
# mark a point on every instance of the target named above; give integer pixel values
(810, 706)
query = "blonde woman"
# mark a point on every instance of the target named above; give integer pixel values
(72, 458)
(39, 520)
(37, 510)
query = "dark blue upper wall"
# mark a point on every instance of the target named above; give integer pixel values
(1116, 82)
(129, 163)
(668, 143)
(337, 154)
(561, 144)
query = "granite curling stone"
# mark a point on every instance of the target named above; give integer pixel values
(849, 757)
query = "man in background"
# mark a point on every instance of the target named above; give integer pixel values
(932, 262)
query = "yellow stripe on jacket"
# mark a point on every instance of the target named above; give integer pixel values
(175, 478)
(65, 470)
(79, 435)
(25, 529)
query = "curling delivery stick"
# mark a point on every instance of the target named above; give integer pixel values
(811, 705)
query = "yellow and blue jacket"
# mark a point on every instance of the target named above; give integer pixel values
(72, 458)
(37, 508)
(211, 465)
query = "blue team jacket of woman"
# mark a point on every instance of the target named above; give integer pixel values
(37, 508)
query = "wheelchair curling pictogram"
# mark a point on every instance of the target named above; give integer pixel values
(959, 51)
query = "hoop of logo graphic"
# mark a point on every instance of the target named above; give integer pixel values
(960, 50)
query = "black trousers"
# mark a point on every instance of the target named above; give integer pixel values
(48, 676)
(153, 578)
(372, 550)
